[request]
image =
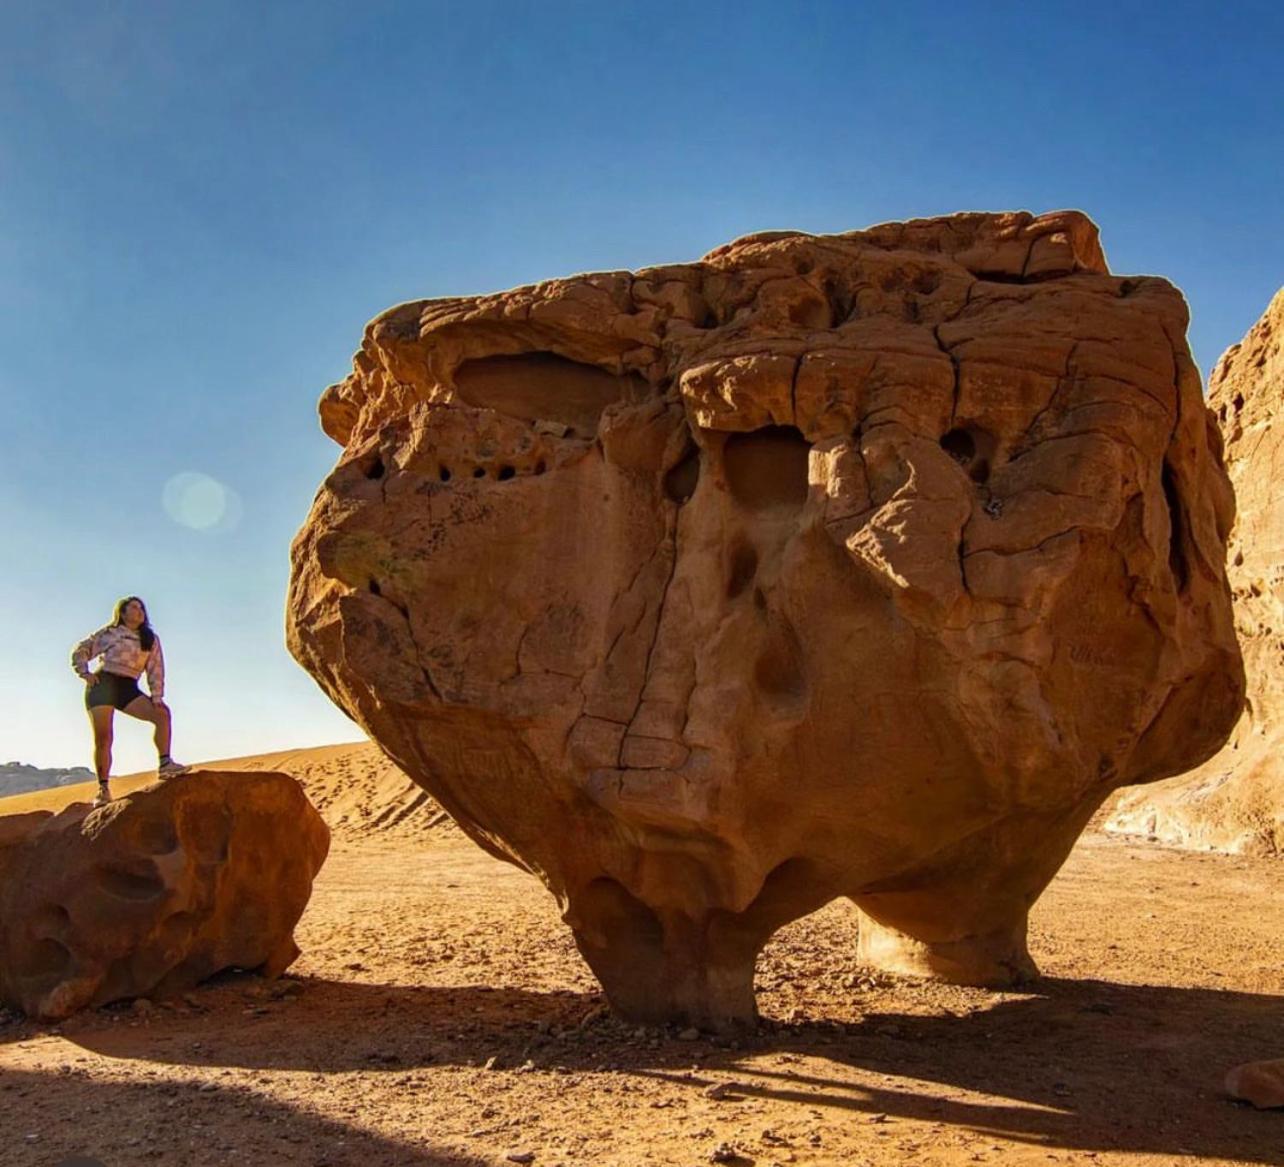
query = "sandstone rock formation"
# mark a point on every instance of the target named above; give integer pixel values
(861, 565)
(1235, 802)
(154, 892)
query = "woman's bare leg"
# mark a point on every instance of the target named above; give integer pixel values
(100, 717)
(145, 709)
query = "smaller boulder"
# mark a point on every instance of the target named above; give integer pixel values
(155, 892)
(1261, 1083)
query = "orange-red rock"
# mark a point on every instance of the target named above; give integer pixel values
(1235, 801)
(156, 891)
(858, 565)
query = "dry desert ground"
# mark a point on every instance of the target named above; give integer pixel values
(440, 1014)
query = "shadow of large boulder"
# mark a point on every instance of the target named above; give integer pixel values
(155, 892)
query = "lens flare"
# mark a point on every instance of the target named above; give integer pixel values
(201, 503)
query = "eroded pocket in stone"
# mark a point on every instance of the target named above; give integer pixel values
(972, 448)
(135, 881)
(767, 468)
(681, 480)
(543, 386)
(1178, 563)
(741, 569)
(46, 958)
(779, 673)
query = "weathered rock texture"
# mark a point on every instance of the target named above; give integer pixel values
(1235, 802)
(859, 565)
(156, 891)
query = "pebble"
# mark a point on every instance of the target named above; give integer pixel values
(689, 1034)
(725, 1092)
(1261, 1083)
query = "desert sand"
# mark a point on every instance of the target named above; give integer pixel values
(440, 1014)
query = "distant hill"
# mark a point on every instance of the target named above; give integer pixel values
(19, 778)
(355, 787)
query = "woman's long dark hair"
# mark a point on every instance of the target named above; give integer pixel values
(146, 637)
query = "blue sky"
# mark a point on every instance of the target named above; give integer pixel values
(201, 206)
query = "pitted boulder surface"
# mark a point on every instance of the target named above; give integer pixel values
(862, 564)
(153, 893)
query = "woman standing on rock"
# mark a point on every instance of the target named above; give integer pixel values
(127, 645)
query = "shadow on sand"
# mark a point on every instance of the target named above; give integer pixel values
(54, 1119)
(1087, 1066)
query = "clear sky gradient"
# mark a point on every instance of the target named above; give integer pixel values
(201, 206)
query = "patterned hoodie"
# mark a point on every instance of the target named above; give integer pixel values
(122, 654)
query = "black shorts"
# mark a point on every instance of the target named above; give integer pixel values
(112, 689)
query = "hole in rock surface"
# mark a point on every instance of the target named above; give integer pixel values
(176, 928)
(479, 471)
(926, 282)
(744, 563)
(47, 958)
(53, 917)
(959, 445)
(544, 385)
(811, 313)
(374, 588)
(767, 468)
(778, 671)
(681, 480)
(135, 882)
(505, 473)
(375, 469)
(1177, 561)
(972, 448)
(443, 472)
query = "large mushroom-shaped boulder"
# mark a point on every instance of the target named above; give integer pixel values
(862, 564)
(153, 893)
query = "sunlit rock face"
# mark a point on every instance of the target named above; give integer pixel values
(156, 891)
(861, 565)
